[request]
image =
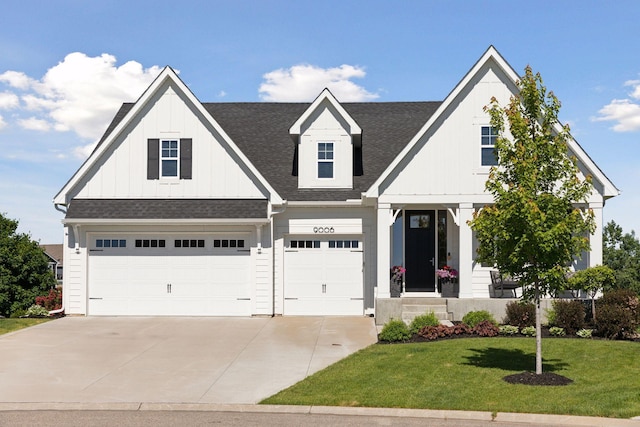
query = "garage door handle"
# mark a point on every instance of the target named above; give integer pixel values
(94, 298)
(243, 299)
(357, 299)
(291, 298)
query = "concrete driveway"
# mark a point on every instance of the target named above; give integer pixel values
(172, 359)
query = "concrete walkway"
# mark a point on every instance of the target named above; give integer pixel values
(172, 359)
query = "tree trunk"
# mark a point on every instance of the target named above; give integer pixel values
(538, 333)
(593, 309)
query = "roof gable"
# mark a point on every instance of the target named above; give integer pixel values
(128, 113)
(493, 57)
(327, 96)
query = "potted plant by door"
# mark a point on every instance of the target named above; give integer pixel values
(397, 274)
(448, 281)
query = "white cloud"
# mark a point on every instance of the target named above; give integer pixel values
(304, 82)
(33, 123)
(80, 94)
(16, 79)
(8, 101)
(624, 112)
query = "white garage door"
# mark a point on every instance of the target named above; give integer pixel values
(323, 276)
(169, 275)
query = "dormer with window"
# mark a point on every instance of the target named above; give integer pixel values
(326, 136)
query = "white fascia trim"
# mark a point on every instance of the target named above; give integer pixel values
(155, 221)
(325, 94)
(318, 204)
(490, 54)
(166, 74)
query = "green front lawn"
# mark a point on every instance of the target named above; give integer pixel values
(10, 325)
(466, 374)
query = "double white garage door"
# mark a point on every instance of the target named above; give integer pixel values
(170, 275)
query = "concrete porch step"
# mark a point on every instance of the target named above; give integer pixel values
(410, 311)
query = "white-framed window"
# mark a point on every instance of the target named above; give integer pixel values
(325, 159)
(169, 158)
(488, 155)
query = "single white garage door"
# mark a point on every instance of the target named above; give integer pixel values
(323, 276)
(169, 275)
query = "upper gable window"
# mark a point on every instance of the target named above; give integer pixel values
(325, 159)
(488, 143)
(169, 158)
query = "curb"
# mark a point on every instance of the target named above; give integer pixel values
(502, 417)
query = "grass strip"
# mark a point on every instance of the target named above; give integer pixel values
(466, 374)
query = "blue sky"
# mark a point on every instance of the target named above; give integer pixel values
(66, 66)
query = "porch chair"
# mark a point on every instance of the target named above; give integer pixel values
(502, 283)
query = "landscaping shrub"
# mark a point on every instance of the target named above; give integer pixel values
(52, 301)
(486, 328)
(585, 333)
(423, 320)
(473, 318)
(520, 314)
(37, 311)
(460, 329)
(394, 330)
(435, 332)
(529, 331)
(618, 315)
(508, 330)
(557, 332)
(569, 315)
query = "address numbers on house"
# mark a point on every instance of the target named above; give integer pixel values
(323, 230)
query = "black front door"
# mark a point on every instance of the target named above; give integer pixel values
(420, 251)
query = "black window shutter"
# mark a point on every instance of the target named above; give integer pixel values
(185, 158)
(153, 157)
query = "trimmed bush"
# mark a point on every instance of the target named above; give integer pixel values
(37, 311)
(473, 318)
(509, 330)
(486, 328)
(556, 331)
(618, 315)
(520, 314)
(394, 331)
(585, 333)
(423, 320)
(529, 331)
(52, 301)
(569, 315)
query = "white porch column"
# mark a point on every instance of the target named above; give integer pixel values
(595, 257)
(383, 250)
(466, 251)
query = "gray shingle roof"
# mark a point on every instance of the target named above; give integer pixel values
(166, 209)
(261, 132)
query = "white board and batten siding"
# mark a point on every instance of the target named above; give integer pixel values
(446, 164)
(121, 172)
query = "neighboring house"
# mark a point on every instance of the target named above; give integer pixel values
(190, 208)
(55, 253)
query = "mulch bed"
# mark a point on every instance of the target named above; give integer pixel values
(531, 378)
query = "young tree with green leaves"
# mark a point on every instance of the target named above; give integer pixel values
(24, 269)
(536, 225)
(593, 280)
